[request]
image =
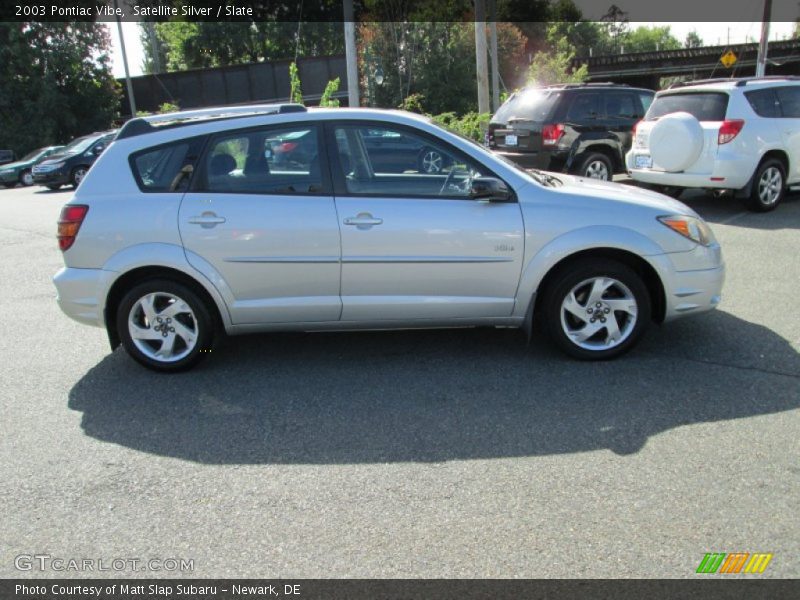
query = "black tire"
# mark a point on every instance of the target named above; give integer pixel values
(77, 175)
(761, 198)
(54, 188)
(430, 161)
(25, 178)
(203, 323)
(669, 190)
(576, 274)
(592, 167)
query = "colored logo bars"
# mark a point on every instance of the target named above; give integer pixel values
(735, 562)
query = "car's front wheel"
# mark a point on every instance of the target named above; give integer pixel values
(26, 178)
(596, 309)
(165, 325)
(77, 176)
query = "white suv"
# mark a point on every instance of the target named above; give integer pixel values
(741, 135)
(271, 218)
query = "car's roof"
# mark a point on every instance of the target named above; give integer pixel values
(730, 84)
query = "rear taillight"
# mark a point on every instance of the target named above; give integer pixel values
(69, 223)
(552, 133)
(729, 130)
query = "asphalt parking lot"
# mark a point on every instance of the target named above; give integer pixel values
(458, 453)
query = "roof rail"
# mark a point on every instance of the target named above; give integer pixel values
(739, 81)
(142, 125)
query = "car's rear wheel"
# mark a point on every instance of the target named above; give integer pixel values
(596, 166)
(165, 325)
(77, 175)
(596, 309)
(26, 177)
(769, 186)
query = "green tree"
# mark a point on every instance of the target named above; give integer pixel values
(615, 23)
(295, 93)
(693, 40)
(555, 66)
(327, 99)
(650, 39)
(55, 83)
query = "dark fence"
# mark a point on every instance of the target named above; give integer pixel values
(238, 84)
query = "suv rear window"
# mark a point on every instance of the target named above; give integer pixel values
(704, 106)
(531, 105)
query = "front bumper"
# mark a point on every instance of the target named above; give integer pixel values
(690, 291)
(9, 176)
(51, 178)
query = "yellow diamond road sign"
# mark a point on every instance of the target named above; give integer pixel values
(728, 59)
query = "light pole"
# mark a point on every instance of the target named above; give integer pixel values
(131, 99)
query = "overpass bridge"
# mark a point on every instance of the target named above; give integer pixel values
(645, 69)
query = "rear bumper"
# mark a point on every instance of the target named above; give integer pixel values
(547, 161)
(727, 174)
(81, 294)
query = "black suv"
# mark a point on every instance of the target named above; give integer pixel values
(581, 128)
(70, 165)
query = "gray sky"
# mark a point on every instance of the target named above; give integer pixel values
(711, 33)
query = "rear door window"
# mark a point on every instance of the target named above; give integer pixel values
(789, 98)
(764, 103)
(583, 107)
(704, 106)
(621, 105)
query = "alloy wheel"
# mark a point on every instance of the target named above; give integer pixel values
(596, 169)
(599, 313)
(163, 327)
(770, 186)
(432, 162)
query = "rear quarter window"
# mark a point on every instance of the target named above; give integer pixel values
(764, 103)
(157, 169)
(704, 106)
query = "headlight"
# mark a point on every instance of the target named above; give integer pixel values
(690, 227)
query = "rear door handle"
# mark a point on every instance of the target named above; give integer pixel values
(207, 220)
(363, 221)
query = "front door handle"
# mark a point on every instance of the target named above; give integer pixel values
(363, 221)
(207, 220)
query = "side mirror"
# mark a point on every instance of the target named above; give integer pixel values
(490, 189)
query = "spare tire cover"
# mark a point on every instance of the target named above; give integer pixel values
(676, 141)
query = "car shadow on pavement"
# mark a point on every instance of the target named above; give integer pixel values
(432, 396)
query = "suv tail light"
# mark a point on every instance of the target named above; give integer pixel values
(729, 130)
(69, 223)
(552, 133)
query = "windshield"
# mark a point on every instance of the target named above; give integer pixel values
(703, 106)
(32, 155)
(79, 145)
(530, 105)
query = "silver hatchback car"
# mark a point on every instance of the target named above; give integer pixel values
(279, 218)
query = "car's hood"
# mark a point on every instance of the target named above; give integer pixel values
(14, 165)
(618, 192)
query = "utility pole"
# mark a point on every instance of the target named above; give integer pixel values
(480, 56)
(493, 54)
(351, 56)
(131, 99)
(761, 63)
